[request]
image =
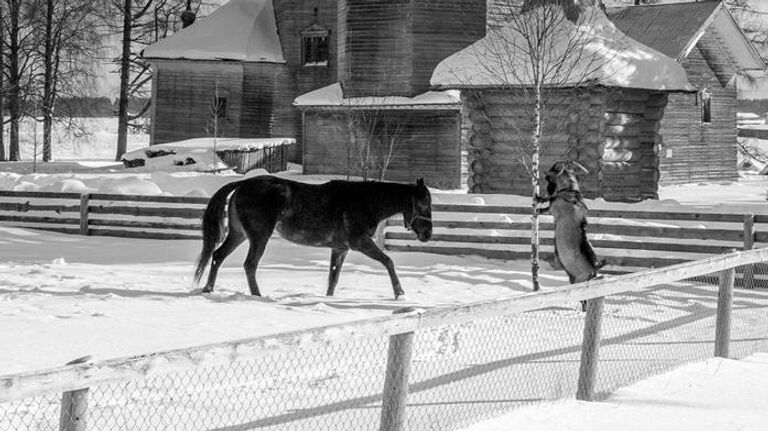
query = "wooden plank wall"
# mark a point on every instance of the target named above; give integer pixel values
(429, 146)
(376, 48)
(185, 92)
(440, 29)
(692, 151)
(391, 47)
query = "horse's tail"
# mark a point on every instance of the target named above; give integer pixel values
(213, 225)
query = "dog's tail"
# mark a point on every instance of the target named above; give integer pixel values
(213, 225)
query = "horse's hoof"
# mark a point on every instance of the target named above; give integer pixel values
(206, 290)
(401, 297)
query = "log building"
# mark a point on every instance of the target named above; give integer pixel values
(698, 130)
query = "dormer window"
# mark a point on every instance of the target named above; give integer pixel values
(314, 45)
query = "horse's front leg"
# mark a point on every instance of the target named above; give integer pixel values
(369, 248)
(337, 259)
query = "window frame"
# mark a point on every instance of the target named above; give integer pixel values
(315, 43)
(706, 107)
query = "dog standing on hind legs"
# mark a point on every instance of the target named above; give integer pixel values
(572, 247)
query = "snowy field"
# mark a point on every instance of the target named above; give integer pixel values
(65, 296)
(713, 395)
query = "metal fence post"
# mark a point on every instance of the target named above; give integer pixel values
(395, 395)
(748, 271)
(724, 307)
(74, 406)
(590, 349)
(84, 202)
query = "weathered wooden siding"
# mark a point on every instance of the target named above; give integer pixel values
(692, 151)
(428, 146)
(440, 29)
(612, 133)
(185, 92)
(267, 97)
(391, 47)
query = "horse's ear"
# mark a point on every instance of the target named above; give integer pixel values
(420, 182)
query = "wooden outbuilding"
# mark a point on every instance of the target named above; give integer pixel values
(246, 61)
(698, 130)
(387, 52)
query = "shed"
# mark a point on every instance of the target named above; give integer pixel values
(382, 103)
(699, 130)
(246, 61)
(607, 116)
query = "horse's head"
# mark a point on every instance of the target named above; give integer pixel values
(562, 176)
(418, 215)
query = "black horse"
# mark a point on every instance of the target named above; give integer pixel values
(341, 215)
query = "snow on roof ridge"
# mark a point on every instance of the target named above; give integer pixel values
(333, 95)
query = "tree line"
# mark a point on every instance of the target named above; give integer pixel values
(51, 50)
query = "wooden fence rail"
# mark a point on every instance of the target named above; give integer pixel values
(74, 379)
(625, 238)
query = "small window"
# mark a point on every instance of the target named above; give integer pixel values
(219, 108)
(315, 50)
(706, 107)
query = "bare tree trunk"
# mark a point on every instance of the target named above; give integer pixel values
(125, 64)
(2, 81)
(14, 79)
(535, 151)
(48, 82)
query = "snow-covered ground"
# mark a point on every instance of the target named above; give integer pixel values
(65, 297)
(713, 395)
(79, 139)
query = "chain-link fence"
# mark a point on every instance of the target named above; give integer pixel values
(439, 377)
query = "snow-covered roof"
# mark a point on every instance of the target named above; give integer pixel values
(606, 57)
(243, 30)
(333, 96)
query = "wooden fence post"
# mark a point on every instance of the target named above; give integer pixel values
(84, 202)
(724, 307)
(590, 349)
(74, 406)
(395, 395)
(748, 271)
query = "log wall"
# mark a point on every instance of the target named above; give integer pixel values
(429, 146)
(692, 151)
(613, 133)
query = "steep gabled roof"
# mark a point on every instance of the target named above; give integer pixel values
(676, 28)
(243, 30)
(667, 28)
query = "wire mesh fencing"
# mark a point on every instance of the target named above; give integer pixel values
(448, 376)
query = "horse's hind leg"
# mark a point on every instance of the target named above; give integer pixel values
(255, 252)
(337, 259)
(234, 238)
(366, 246)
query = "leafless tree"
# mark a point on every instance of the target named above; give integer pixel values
(142, 22)
(372, 140)
(536, 50)
(71, 43)
(21, 64)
